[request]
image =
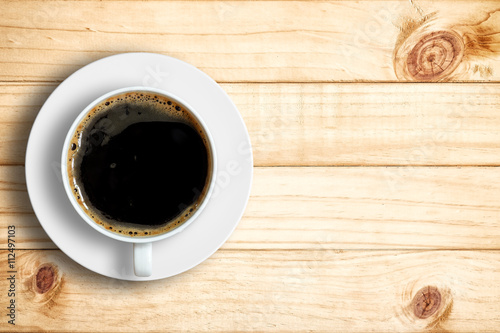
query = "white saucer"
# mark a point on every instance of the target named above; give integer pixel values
(62, 223)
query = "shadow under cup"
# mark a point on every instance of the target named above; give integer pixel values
(138, 164)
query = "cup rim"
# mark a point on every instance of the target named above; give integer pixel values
(79, 209)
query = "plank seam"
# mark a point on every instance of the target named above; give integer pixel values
(299, 82)
(339, 250)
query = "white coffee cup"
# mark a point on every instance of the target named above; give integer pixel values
(142, 256)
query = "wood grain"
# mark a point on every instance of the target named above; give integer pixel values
(333, 208)
(245, 41)
(374, 204)
(264, 291)
(328, 124)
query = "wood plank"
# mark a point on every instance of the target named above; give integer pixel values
(326, 291)
(329, 124)
(29, 233)
(264, 41)
(334, 208)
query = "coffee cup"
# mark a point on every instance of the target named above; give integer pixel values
(139, 166)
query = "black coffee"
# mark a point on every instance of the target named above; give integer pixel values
(139, 164)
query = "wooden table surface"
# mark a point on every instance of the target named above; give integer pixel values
(375, 128)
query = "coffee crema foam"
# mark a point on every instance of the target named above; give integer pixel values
(108, 119)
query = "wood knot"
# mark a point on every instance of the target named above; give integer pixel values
(426, 302)
(428, 308)
(428, 50)
(45, 283)
(435, 56)
(44, 278)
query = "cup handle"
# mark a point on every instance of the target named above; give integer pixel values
(143, 263)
